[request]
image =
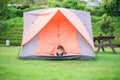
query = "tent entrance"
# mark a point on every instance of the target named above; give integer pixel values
(58, 31)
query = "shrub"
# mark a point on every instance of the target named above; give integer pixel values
(93, 12)
(80, 6)
(14, 12)
(107, 25)
(34, 8)
(99, 11)
(2, 26)
(13, 30)
(69, 4)
(95, 19)
(54, 4)
(87, 9)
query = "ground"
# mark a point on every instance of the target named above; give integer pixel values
(105, 67)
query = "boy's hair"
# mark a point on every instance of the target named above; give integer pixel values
(60, 47)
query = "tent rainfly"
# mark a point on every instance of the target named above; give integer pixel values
(45, 29)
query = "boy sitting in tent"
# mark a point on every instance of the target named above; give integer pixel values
(60, 51)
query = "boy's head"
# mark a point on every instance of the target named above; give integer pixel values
(60, 49)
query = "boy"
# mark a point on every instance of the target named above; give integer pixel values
(60, 51)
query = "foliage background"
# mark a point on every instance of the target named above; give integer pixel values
(11, 18)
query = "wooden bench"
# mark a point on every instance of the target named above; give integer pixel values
(101, 40)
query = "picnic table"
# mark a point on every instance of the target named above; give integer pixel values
(101, 42)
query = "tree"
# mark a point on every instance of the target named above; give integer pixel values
(73, 4)
(54, 3)
(70, 4)
(107, 25)
(3, 12)
(3, 9)
(111, 7)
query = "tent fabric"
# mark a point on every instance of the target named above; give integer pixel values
(45, 29)
(58, 33)
(37, 26)
(45, 17)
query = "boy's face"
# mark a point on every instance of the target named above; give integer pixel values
(60, 51)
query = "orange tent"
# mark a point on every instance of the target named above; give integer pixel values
(53, 27)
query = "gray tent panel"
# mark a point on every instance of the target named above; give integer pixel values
(28, 51)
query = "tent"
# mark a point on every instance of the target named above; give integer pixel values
(45, 29)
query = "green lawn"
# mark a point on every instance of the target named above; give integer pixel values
(106, 67)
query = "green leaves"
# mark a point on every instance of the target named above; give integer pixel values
(73, 4)
(107, 25)
(12, 29)
(111, 7)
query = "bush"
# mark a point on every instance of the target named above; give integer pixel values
(2, 24)
(80, 6)
(91, 10)
(107, 25)
(14, 12)
(69, 4)
(95, 19)
(13, 30)
(98, 11)
(87, 9)
(54, 4)
(34, 8)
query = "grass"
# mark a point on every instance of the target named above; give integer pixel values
(106, 67)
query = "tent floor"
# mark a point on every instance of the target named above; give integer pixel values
(70, 57)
